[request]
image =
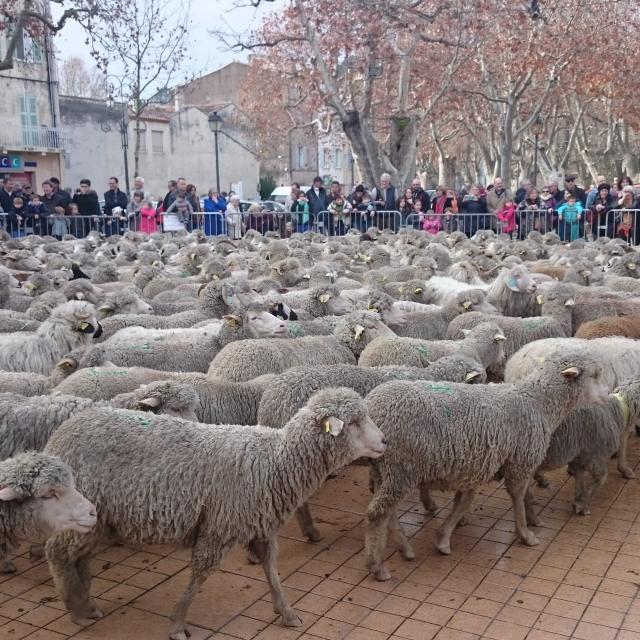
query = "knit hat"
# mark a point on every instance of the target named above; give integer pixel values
(604, 185)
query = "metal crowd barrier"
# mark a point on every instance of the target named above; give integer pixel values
(468, 223)
(624, 224)
(329, 224)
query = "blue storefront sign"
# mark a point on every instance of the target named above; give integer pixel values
(10, 162)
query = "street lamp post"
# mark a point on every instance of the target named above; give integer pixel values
(124, 124)
(537, 128)
(214, 124)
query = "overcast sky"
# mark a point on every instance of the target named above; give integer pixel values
(207, 54)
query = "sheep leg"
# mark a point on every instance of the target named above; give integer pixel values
(584, 493)
(517, 488)
(205, 557)
(305, 520)
(532, 516)
(625, 470)
(6, 566)
(380, 509)
(267, 551)
(429, 504)
(400, 537)
(68, 555)
(461, 504)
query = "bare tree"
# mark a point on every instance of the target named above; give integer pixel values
(76, 79)
(34, 18)
(146, 54)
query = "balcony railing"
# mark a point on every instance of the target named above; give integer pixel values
(33, 138)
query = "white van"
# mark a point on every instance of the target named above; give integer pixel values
(280, 194)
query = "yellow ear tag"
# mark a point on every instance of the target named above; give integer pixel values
(83, 325)
(327, 426)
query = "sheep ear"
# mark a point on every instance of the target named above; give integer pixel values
(466, 304)
(333, 426)
(465, 332)
(499, 337)
(106, 309)
(571, 372)
(79, 295)
(539, 299)
(8, 493)
(570, 303)
(471, 376)
(278, 268)
(324, 298)
(359, 330)
(146, 404)
(67, 363)
(201, 287)
(307, 276)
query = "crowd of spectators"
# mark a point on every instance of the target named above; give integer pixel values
(606, 209)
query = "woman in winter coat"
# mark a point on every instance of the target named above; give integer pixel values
(598, 218)
(214, 205)
(300, 206)
(474, 206)
(533, 214)
(147, 222)
(627, 219)
(234, 220)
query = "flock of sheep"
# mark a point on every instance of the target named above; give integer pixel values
(198, 391)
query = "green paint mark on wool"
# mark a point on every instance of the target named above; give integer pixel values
(295, 329)
(140, 421)
(531, 324)
(423, 351)
(446, 411)
(107, 373)
(137, 346)
(438, 387)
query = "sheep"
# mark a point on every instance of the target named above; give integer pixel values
(122, 302)
(11, 321)
(28, 482)
(484, 343)
(26, 423)
(626, 326)
(22, 260)
(26, 384)
(618, 357)
(513, 293)
(518, 332)
(247, 359)
(70, 326)
(41, 308)
(458, 437)
(315, 303)
(160, 352)
(81, 289)
(588, 437)
(104, 273)
(131, 334)
(432, 324)
(205, 487)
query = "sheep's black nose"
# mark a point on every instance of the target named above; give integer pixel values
(384, 441)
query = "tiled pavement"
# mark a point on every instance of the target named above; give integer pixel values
(582, 582)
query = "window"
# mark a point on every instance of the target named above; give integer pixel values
(28, 48)
(157, 141)
(143, 140)
(337, 158)
(29, 121)
(326, 158)
(301, 157)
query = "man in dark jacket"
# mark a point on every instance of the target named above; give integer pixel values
(418, 193)
(6, 195)
(50, 201)
(170, 197)
(112, 199)
(63, 197)
(571, 186)
(88, 209)
(318, 200)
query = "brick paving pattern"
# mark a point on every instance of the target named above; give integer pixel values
(582, 582)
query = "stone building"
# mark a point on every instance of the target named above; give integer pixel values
(31, 141)
(173, 143)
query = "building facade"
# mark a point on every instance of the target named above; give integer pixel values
(336, 160)
(31, 141)
(173, 143)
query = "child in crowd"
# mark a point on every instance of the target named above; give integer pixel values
(148, 215)
(432, 223)
(133, 209)
(363, 211)
(418, 214)
(569, 216)
(15, 218)
(506, 214)
(183, 210)
(37, 213)
(300, 206)
(59, 223)
(340, 211)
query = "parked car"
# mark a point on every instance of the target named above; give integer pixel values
(268, 205)
(280, 194)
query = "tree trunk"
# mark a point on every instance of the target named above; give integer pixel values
(446, 170)
(402, 148)
(136, 146)
(365, 146)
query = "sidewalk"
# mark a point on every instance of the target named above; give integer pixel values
(582, 582)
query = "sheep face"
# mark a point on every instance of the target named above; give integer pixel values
(519, 280)
(335, 304)
(394, 317)
(80, 316)
(365, 438)
(262, 324)
(43, 490)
